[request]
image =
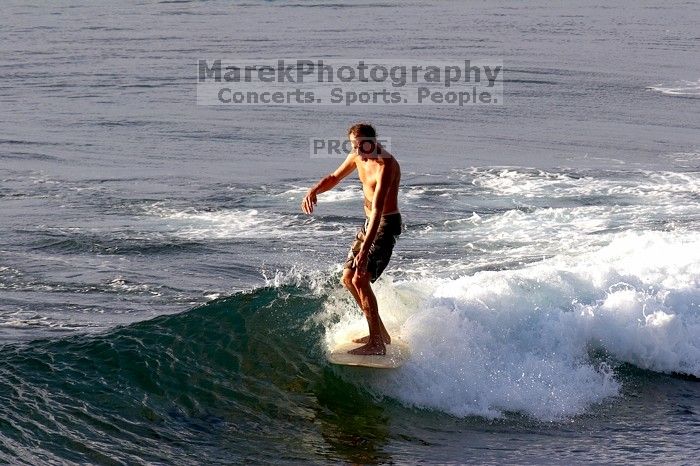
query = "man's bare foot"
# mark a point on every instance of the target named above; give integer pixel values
(365, 339)
(370, 349)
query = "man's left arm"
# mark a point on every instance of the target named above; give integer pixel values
(380, 193)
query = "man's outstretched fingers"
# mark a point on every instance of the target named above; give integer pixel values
(307, 205)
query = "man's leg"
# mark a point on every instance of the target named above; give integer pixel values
(348, 275)
(368, 303)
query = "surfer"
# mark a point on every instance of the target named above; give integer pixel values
(371, 249)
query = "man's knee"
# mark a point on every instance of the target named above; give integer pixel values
(360, 279)
(347, 279)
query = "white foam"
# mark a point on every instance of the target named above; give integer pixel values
(338, 194)
(544, 214)
(519, 340)
(196, 224)
(656, 186)
(681, 88)
(508, 181)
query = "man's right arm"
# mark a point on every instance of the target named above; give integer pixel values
(327, 183)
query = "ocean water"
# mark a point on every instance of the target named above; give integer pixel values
(163, 300)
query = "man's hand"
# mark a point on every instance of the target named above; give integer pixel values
(360, 262)
(307, 205)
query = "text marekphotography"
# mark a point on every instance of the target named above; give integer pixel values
(349, 82)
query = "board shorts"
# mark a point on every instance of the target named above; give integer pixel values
(382, 246)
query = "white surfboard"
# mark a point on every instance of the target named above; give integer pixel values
(397, 353)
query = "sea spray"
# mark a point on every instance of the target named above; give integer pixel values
(521, 339)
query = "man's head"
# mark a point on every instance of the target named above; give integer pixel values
(363, 138)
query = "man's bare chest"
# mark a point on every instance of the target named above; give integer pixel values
(369, 174)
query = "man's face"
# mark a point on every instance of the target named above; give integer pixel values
(355, 143)
(362, 146)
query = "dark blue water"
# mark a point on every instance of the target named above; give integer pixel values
(164, 300)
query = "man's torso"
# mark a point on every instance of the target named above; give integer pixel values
(368, 171)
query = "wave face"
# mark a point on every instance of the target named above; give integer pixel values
(234, 373)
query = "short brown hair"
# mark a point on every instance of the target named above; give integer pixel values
(363, 130)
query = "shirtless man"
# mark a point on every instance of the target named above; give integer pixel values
(371, 250)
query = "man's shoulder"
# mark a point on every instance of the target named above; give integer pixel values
(385, 154)
(390, 161)
(389, 166)
(351, 159)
